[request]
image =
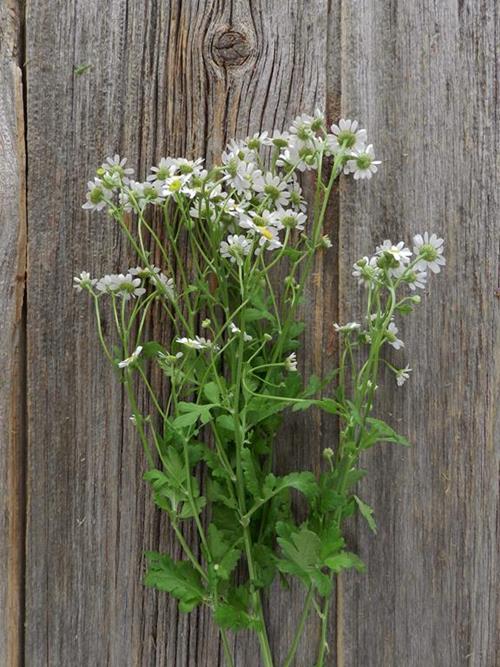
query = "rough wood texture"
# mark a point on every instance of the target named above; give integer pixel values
(180, 78)
(12, 261)
(423, 76)
(176, 79)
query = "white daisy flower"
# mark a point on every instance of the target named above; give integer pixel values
(166, 285)
(346, 328)
(84, 281)
(346, 135)
(429, 249)
(98, 196)
(115, 166)
(236, 152)
(362, 163)
(302, 156)
(416, 279)
(235, 247)
(185, 167)
(296, 199)
(392, 338)
(257, 140)
(291, 362)
(177, 184)
(366, 270)
(402, 375)
(133, 357)
(290, 219)
(125, 286)
(248, 177)
(279, 139)
(164, 169)
(273, 188)
(196, 343)
(399, 252)
(325, 242)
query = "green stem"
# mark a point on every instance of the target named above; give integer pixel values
(300, 629)
(227, 651)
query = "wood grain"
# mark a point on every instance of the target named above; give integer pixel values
(12, 281)
(423, 77)
(166, 78)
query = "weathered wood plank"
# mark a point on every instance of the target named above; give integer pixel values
(423, 77)
(12, 279)
(164, 80)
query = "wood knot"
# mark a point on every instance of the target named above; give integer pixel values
(231, 48)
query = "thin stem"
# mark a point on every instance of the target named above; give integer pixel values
(300, 629)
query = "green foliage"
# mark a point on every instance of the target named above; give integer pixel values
(179, 579)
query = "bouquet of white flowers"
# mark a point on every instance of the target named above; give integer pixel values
(228, 374)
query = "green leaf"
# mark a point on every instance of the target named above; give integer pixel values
(180, 579)
(211, 391)
(191, 413)
(378, 431)
(305, 482)
(225, 555)
(229, 617)
(330, 406)
(251, 473)
(367, 513)
(151, 349)
(344, 561)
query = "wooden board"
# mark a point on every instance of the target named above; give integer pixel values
(176, 79)
(423, 77)
(180, 78)
(12, 336)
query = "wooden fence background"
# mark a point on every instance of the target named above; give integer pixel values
(178, 78)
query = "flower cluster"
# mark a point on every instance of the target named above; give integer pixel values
(237, 246)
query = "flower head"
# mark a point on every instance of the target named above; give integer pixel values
(196, 343)
(391, 336)
(346, 328)
(98, 195)
(125, 286)
(429, 249)
(291, 362)
(402, 374)
(133, 358)
(235, 248)
(362, 163)
(346, 135)
(84, 281)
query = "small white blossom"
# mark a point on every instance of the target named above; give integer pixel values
(402, 375)
(362, 163)
(133, 357)
(160, 173)
(98, 196)
(279, 139)
(233, 328)
(125, 286)
(291, 362)
(177, 184)
(257, 140)
(273, 188)
(416, 279)
(346, 135)
(290, 219)
(296, 199)
(366, 270)
(115, 166)
(246, 337)
(325, 242)
(399, 253)
(429, 249)
(392, 338)
(196, 343)
(346, 328)
(84, 281)
(235, 247)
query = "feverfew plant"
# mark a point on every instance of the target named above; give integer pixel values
(236, 247)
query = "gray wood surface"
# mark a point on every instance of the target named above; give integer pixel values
(180, 78)
(12, 336)
(424, 78)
